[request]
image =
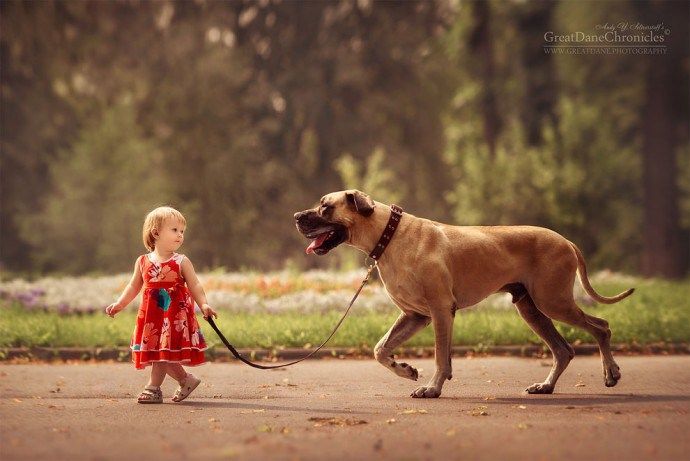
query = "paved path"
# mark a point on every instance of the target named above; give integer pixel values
(73, 412)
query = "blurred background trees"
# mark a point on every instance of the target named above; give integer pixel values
(240, 113)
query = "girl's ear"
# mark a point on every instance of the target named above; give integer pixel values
(154, 232)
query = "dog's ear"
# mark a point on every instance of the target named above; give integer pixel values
(360, 202)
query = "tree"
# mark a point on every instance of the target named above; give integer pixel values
(104, 186)
(664, 123)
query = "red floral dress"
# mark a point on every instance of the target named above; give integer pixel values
(167, 329)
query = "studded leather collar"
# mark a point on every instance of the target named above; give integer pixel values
(388, 231)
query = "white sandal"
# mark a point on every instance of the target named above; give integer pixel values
(151, 395)
(190, 383)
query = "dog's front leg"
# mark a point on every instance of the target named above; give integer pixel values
(443, 330)
(403, 329)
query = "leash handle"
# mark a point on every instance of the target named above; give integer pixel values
(239, 357)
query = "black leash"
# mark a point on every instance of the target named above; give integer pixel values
(268, 367)
(384, 240)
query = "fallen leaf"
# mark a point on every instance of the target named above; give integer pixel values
(213, 420)
(230, 453)
(522, 407)
(264, 428)
(318, 422)
(480, 411)
(390, 421)
(580, 385)
(523, 426)
(412, 411)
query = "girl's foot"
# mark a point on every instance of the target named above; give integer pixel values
(151, 395)
(186, 387)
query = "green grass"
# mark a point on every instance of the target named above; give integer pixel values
(659, 311)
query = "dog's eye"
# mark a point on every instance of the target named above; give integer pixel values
(325, 208)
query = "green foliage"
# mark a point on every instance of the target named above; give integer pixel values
(241, 113)
(103, 187)
(555, 184)
(375, 177)
(659, 311)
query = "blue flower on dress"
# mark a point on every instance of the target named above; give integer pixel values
(163, 299)
(136, 347)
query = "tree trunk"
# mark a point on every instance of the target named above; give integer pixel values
(482, 46)
(665, 243)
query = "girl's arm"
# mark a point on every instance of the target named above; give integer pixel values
(129, 293)
(196, 289)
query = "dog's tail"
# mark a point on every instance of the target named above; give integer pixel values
(582, 269)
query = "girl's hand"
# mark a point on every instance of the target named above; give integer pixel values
(113, 309)
(208, 311)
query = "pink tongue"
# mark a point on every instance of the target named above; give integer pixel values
(316, 243)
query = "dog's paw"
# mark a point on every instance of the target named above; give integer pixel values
(406, 371)
(612, 374)
(425, 392)
(540, 388)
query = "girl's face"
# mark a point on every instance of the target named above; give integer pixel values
(171, 235)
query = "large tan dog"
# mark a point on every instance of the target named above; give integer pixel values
(431, 269)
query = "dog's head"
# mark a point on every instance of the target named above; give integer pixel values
(332, 221)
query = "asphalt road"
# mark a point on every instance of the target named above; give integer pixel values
(350, 409)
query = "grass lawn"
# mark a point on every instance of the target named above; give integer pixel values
(658, 311)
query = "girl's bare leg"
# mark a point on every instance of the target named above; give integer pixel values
(176, 371)
(158, 370)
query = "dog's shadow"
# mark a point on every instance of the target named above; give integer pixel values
(573, 400)
(259, 406)
(583, 400)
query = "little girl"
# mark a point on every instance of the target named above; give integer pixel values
(167, 333)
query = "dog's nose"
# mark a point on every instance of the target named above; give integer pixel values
(298, 215)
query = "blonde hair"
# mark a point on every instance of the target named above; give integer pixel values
(154, 221)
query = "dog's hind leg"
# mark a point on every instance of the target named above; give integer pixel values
(560, 349)
(599, 328)
(569, 312)
(403, 329)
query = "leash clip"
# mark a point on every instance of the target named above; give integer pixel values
(370, 263)
(370, 267)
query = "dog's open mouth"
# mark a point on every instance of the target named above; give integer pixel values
(325, 241)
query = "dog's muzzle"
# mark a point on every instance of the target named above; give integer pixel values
(324, 235)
